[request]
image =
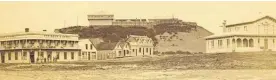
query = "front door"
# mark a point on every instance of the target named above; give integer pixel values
(265, 44)
(89, 56)
(124, 53)
(233, 45)
(2, 57)
(32, 57)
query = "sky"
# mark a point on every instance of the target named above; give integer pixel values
(15, 16)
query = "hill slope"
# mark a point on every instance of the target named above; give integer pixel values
(190, 34)
(184, 41)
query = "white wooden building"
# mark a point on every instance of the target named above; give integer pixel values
(253, 36)
(140, 45)
(38, 47)
(88, 50)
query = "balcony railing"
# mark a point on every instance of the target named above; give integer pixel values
(38, 47)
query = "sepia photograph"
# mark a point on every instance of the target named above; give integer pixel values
(137, 40)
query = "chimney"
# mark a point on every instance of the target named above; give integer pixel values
(44, 30)
(224, 25)
(26, 29)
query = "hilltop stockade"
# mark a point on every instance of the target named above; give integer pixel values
(107, 19)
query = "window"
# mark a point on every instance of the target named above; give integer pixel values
(16, 55)
(65, 55)
(91, 46)
(42, 54)
(245, 28)
(147, 50)
(150, 50)
(237, 28)
(86, 46)
(72, 55)
(140, 50)
(49, 54)
(58, 55)
(228, 42)
(133, 50)
(273, 42)
(24, 55)
(220, 43)
(9, 55)
(72, 44)
(79, 53)
(212, 43)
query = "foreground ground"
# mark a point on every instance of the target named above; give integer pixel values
(140, 75)
(241, 66)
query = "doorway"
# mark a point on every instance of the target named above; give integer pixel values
(265, 44)
(32, 58)
(2, 57)
(124, 53)
(89, 56)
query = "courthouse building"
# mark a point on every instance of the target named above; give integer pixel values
(38, 47)
(253, 36)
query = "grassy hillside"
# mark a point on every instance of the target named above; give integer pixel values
(108, 33)
(116, 33)
(192, 41)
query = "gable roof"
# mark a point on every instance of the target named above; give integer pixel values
(106, 46)
(122, 44)
(96, 41)
(250, 22)
(135, 38)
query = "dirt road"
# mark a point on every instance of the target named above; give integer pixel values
(140, 75)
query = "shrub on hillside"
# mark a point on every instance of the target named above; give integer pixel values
(115, 33)
(181, 52)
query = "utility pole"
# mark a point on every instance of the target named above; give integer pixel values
(173, 16)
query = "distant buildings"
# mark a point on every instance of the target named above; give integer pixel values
(132, 46)
(102, 19)
(257, 35)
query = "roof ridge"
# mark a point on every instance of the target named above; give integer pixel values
(248, 22)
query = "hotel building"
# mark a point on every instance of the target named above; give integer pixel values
(38, 47)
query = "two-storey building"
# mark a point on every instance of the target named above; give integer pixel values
(140, 45)
(253, 36)
(38, 47)
(88, 50)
